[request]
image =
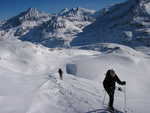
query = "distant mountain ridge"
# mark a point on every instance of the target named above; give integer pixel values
(125, 23)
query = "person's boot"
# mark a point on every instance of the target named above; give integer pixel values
(111, 108)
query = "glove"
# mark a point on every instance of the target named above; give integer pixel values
(124, 82)
(119, 89)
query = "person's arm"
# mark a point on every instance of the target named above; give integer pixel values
(119, 81)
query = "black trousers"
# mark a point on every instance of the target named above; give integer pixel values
(110, 91)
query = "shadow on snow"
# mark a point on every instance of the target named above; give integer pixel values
(103, 111)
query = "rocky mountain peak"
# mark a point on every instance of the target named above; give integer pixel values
(31, 14)
(54, 23)
(76, 12)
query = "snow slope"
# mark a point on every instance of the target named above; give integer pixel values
(125, 23)
(72, 95)
(29, 81)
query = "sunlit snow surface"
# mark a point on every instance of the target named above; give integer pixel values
(29, 82)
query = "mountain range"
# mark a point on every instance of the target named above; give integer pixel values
(125, 23)
(51, 30)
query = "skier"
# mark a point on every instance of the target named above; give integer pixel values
(60, 73)
(109, 84)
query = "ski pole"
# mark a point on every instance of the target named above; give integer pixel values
(104, 97)
(125, 100)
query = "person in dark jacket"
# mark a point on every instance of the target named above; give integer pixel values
(109, 84)
(60, 73)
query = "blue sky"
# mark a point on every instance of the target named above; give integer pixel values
(9, 8)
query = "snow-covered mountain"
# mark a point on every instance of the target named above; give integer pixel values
(30, 17)
(50, 30)
(78, 14)
(61, 28)
(57, 32)
(21, 24)
(125, 23)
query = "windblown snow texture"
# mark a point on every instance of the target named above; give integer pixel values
(30, 83)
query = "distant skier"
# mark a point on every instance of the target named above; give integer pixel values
(109, 84)
(60, 73)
